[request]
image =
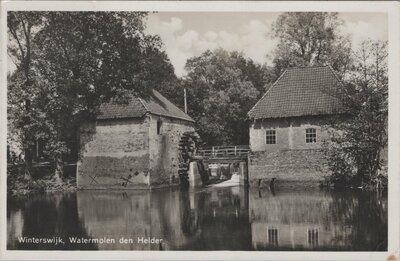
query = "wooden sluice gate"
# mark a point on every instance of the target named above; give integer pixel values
(206, 166)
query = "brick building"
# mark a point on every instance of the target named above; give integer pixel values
(132, 145)
(286, 128)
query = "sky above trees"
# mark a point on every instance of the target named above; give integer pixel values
(189, 34)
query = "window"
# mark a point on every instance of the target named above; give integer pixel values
(311, 135)
(312, 236)
(273, 236)
(159, 124)
(270, 137)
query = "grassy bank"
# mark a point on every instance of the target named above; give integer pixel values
(20, 184)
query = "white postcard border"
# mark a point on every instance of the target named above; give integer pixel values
(391, 8)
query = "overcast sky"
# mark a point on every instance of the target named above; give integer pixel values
(189, 34)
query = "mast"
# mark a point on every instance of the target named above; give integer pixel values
(185, 99)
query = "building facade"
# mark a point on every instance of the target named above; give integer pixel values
(133, 145)
(288, 125)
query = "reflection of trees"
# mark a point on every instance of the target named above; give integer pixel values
(363, 218)
(349, 220)
(222, 221)
(188, 216)
(48, 216)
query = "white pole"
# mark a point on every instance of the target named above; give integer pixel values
(184, 94)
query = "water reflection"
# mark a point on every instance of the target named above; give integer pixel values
(318, 220)
(208, 219)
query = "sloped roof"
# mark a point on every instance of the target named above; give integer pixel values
(137, 107)
(301, 92)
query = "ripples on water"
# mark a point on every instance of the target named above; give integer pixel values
(208, 219)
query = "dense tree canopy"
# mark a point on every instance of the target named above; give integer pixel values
(310, 38)
(81, 60)
(355, 154)
(222, 88)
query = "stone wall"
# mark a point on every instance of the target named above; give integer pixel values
(291, 158)
(163, 149)
(290, 133)
(129, 153)
(114, 154)
(305, 165)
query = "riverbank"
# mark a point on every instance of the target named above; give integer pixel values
(20, 185)
(23, 187)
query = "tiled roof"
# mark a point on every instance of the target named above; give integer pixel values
(137, 107)
(111, 110)
(301, 92)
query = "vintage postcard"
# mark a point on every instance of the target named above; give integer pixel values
(200, 130)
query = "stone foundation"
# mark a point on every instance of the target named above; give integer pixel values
(306, 166)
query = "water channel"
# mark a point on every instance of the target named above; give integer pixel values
(233, 218)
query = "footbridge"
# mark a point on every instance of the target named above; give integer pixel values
(224, 154)
(205, 165)
(224, 163)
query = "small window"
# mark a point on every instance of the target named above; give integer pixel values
(311, 135)
(312, 236)
(270, 137)
(273, 236)
(159, 124)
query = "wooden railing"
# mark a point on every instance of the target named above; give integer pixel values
(237, 151)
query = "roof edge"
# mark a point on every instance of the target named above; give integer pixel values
(337, 78)
(173, 117)
(306, 115)
(176, 117)
(143, 104)
(248, 114)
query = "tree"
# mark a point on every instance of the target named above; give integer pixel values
(84, 59)
(221, 90)
(354, 153)
(22, 27)
(308, 39)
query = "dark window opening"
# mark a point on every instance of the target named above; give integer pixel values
(159, 123)
(270, 137)
(273, 236)
(312, 236)
(311, 135)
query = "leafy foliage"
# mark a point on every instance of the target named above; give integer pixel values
(222, 87)
(355, 152)
(81, 60)
(308, 39)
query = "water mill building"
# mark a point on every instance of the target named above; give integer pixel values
(286, 125)
(133, 145)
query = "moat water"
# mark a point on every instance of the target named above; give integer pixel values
(233, 218)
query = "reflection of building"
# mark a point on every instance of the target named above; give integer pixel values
(131, 215)
(286, 131)
(134, 144)
(295, 221)
(207, 220)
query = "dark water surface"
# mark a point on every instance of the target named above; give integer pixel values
(232, 218)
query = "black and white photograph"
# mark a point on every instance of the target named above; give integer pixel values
(161, 130)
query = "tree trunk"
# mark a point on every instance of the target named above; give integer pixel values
(59, 169)
(28, 164)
